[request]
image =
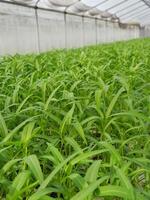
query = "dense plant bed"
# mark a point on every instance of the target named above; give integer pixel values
(75, 125)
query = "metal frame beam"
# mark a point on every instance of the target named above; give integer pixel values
(146, 2)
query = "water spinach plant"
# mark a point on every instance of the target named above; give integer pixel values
(75, 125)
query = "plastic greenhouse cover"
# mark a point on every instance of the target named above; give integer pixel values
(63, 2)
(25, 1)
(79, 7)
(48, 4)
(95, 11)
(125, 10)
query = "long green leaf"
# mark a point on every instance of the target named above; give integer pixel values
(92, 172)
(17, 185)
(3, 127)
(113, 191)
(86, 155)
(9, 164)
(79, 181)
(80, 130)
(34, 166)
(55, 171)
(113, 102)
(40, 194)
(67, 119)
(89, 190)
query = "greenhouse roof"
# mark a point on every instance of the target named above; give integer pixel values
(126, 11)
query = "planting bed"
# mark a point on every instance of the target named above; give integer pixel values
(75, 125)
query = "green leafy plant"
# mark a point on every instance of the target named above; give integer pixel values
(74, 125)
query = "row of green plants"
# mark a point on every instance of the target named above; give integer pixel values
(75, 125)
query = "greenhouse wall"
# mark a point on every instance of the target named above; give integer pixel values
(145, 32)
(51, 30)
(24, 29)
(18, 29)
(74, 31)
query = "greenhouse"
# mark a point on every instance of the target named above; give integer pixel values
(74, 99)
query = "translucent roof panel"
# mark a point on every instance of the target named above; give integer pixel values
(93, 2)
(29, 2)
(133, 13)
(141, 18)
(125, 10)
(124, 6)
(63, 2)
(128, 11)
(132, 10)
(109, 4)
